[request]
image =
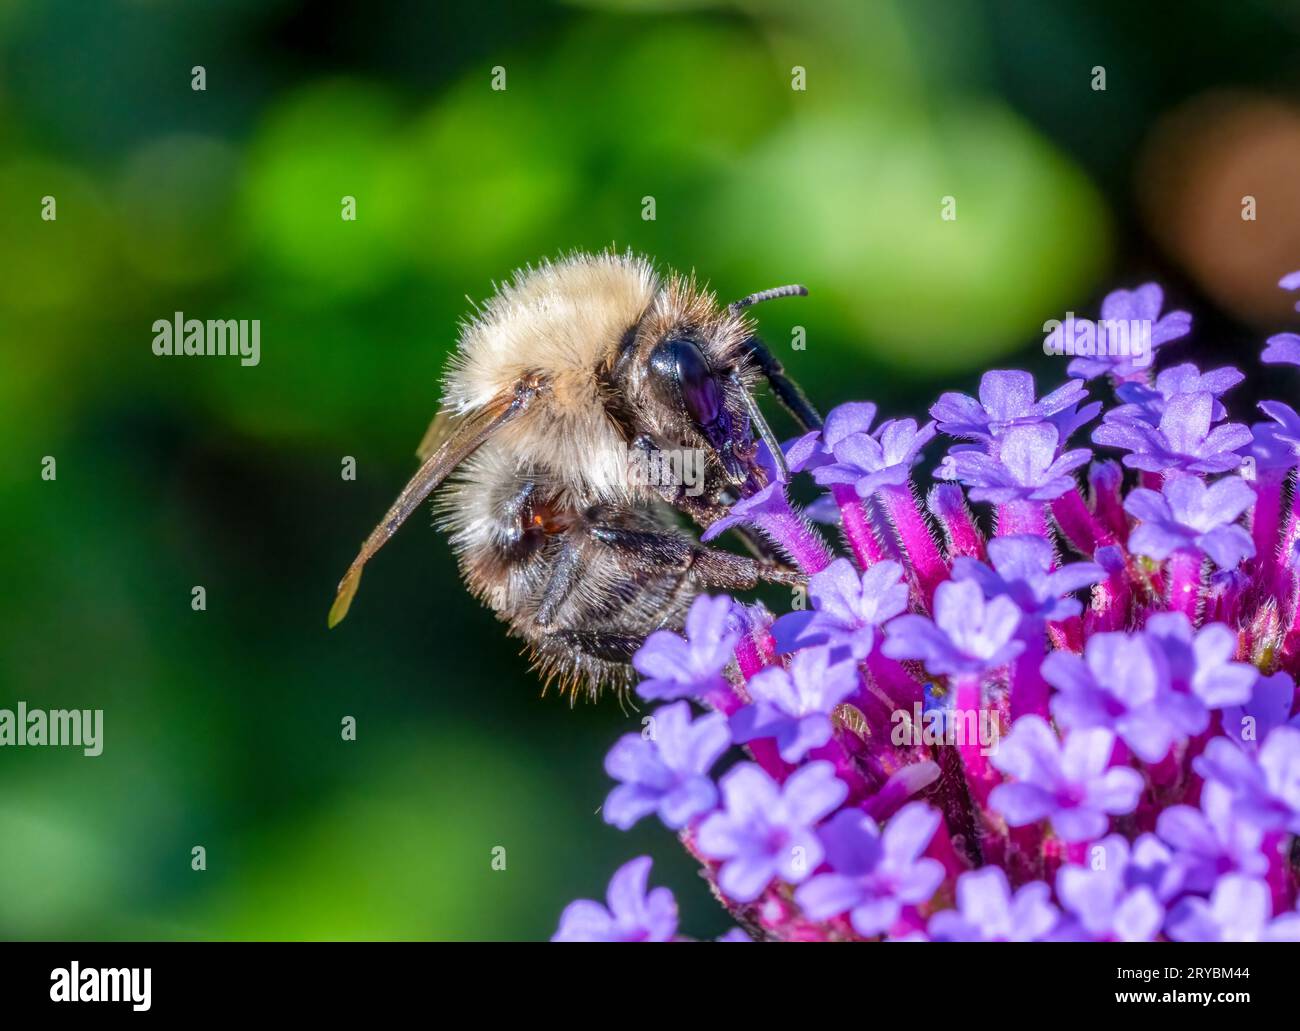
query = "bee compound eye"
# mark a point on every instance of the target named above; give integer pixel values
(685, 376)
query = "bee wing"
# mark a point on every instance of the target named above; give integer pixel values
(443, 426)
(465, 435)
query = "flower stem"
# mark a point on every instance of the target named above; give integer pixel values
(1107, 482)
(981, 777)
(915, 538)
(1022, 517)
(856, 523)
(1081, 528)
(892, 678)
(754, 653)
(1282, 574)
(1265, 522)
(1276, 846)
(1110, 601)
(899, 787)
(754, 650)
(948, 505)
(1185, 582)
(1028, 688)
(797, 538)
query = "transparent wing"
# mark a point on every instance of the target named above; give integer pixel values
(454, 446)
(439, 432)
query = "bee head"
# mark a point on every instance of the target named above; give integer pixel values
(701, 403)
(684, 375)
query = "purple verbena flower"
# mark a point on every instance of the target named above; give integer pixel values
(1148, 404)
(1240, 909)
(847, 607)
(1286, 432)
(987, 910)
(1291, 281)
(1265, 787)
(847, 419)
(870, 461)
(1269, 705)
(1072, 784)
(1103, 902)
(1183, 440)
(801, 454)
(1186, 513)
(765, 829)
(666, 772)
(630, 915)
(769, 511)
(690, 667)
(1007, 400)
(1274, 451)
(1281, 349)
(1024, 570)
(1140, 307)
(1122, 684)
(1152, 864)
(768, 502)
(794, 706)
(967, 635)
(1026, 467)
(1202, 662)
(874, 873)
(1148, 785)
(1211, 840)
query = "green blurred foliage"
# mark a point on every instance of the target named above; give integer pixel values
(222, 727)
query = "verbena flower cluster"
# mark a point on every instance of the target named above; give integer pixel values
(1080, 728)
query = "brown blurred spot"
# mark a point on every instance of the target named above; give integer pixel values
(1196, 168)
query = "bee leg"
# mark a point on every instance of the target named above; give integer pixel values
(564, 577)
(709, 567)
(704, 510)
(610, 646)
(786, 390)
(725, 571)
(757, 546)
(649, 549)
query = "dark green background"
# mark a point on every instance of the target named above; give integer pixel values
(222, 727)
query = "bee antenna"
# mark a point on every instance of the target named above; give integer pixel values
(793, 290)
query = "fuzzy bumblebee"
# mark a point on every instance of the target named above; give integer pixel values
(568, 376)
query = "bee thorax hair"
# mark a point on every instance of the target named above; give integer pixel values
(568, 322)
(563, 320)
